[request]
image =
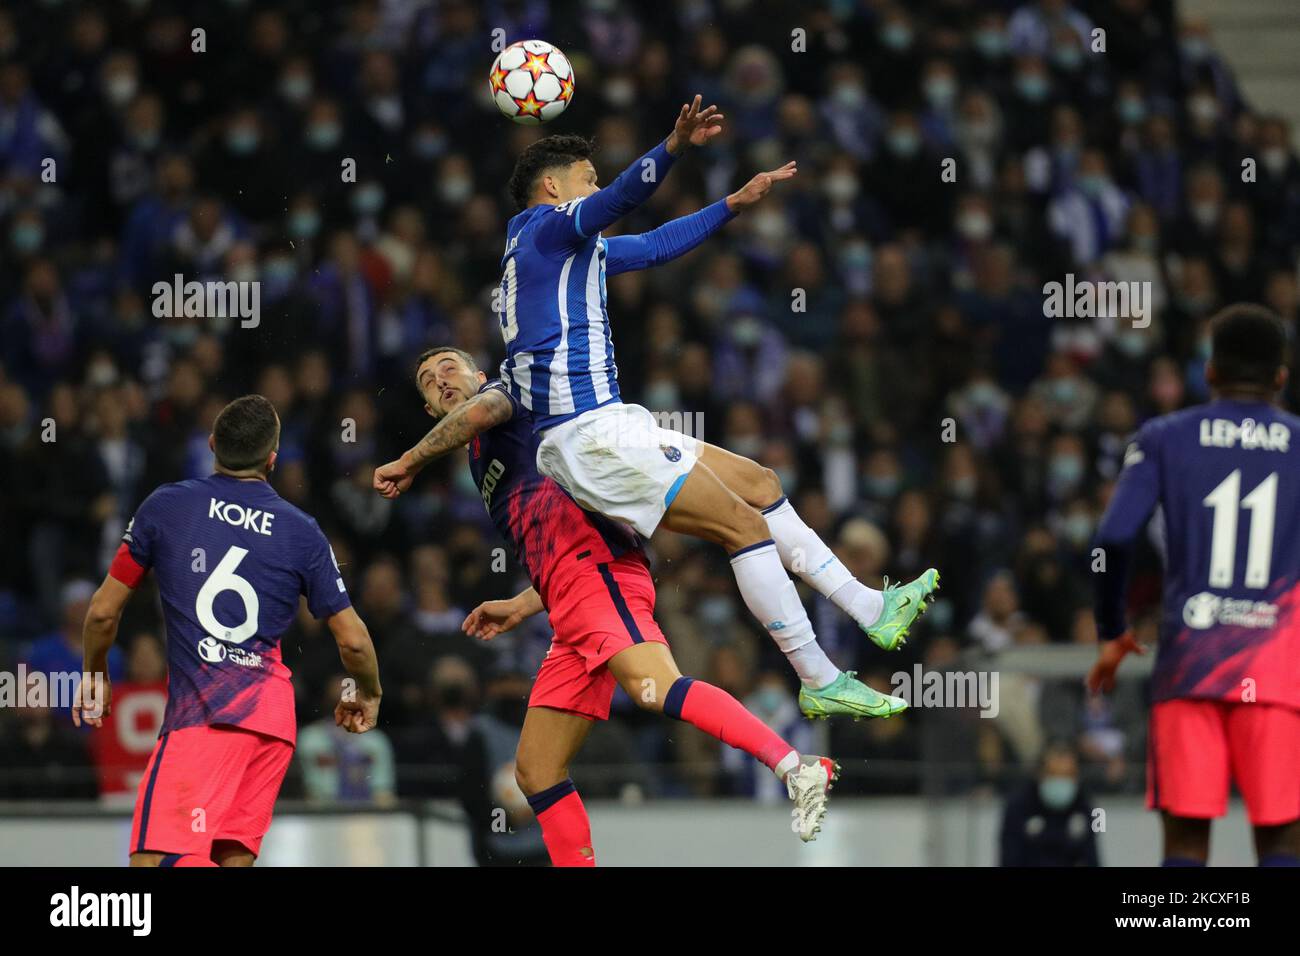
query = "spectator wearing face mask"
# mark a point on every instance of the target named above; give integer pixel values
(1048, 822)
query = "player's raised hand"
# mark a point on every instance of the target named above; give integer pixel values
(492, 618)
(1101, 679)
(359, 715)
(759, 186)
(393, 478)
(95, 703)
(694, 126)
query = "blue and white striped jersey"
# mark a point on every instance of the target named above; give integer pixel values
(560, 354)
(554, 317)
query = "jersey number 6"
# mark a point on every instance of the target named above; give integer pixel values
(224, 578)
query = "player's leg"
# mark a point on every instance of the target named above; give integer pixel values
(185, 787)
(1278, 845)
(1187, 775)
(704, 507)
(259, 765)
(548, 742)
(231, 853)
(884, 616)
(649, 675)
(565, 701)
(1187, 840)
(171, 859)
(1263, 741)
(635, 653)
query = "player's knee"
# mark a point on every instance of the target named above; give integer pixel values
(533, 776)
(767, 488)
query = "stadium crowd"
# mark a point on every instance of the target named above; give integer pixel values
(873, 332)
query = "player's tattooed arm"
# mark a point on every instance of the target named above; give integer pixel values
(454, 430)
(496, 617)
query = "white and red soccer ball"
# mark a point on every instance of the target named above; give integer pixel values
(531, 81)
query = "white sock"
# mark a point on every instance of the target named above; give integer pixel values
(805, 554)
(789, 762)
(771, 597)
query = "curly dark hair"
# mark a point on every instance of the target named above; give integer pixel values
(1248, 344)
(548, 152)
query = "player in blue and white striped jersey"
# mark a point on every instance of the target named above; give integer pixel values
(614, 458)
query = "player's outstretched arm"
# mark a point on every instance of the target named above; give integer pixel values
(576, 220)
(496, 617)
(357, 651)
(679, 236)
(94, 694)
(454, 430)
(758, 187)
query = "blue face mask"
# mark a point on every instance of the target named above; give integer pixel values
(1063, 390)
(940, 91)
(279, 270)
(368, 200)
(1066, 470)
(429, 145)
(26, 237)
(1077, 529)
(1032, 87)
(1058, 792)
(769, 700)
(242, 141)
(1068, 58)
(882, 486)
(1091, 184)
(1195, 49)
(304, 224)
(904, 142)
(991, 44)
(1131, 111)
(324, 135)
(896, 36)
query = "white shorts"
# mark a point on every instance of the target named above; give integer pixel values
(617, 461)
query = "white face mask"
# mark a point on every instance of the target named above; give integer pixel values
(1274, 159)
(975, 226)
(620, 93)
(1206, 214)
(1203, 109)
(120, 88)
(840, 187)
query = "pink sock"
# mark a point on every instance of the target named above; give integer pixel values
(720, 715)
(566, 831)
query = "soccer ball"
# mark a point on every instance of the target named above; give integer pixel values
(531, 81)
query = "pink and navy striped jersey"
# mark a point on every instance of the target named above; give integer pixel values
(1226, 479)
(231, 558)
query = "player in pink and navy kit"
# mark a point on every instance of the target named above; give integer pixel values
(592, 577)
(1226, 686)
(231, 558)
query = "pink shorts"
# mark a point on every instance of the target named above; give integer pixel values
(1197, 746)
(205, 784)
(607, 610)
